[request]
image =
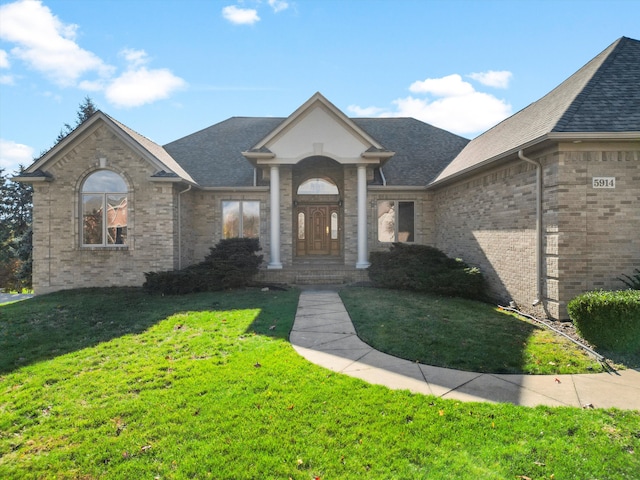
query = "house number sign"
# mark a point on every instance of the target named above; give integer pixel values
(604, 182)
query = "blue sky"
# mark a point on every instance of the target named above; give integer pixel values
(168, 68)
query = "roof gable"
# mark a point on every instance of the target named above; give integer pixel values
(317, 128)
(602, 97)
(152, 152)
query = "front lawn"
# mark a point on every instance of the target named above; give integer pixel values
(117, 384)
(459, 333)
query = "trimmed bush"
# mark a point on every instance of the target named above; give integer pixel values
(232, 263)
(608, 320)
(422, 268)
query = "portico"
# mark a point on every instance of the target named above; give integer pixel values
(318, 144)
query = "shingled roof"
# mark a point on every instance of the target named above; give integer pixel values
(421, 150)
(213, 156)
(601, 97)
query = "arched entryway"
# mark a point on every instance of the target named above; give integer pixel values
(318, 182)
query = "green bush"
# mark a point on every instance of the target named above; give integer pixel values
(423, 268)
(608, 320)
(232, 263)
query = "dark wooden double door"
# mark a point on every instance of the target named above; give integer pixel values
(317, 230)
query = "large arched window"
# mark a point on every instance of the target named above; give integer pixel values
(104, 210)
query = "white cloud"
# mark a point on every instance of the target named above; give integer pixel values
(13, 154)
(48, 45)
(449, 86)
(492, 78)
(45, 43)
(240, 16)
(449, 103)
(366, 112)
(141, 86)
(4, 59)
(278, 5)
(135, 58)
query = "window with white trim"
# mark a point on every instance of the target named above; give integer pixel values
(396, 221)
(104, 210)
(240, 218)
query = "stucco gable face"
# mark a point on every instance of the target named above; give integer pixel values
(317, 132)
(318, 128)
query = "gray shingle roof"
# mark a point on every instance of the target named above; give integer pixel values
(156, 150)
(421, 150)
(213, 156)
(603, 96)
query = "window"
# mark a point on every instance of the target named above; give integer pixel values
(240, 219)
(317, 186)
(395, 221)
(301, 226)
(334, 225)
(104, 191)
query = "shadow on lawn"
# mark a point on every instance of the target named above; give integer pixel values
(48, 326)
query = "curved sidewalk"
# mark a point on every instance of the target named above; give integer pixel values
(324, 334)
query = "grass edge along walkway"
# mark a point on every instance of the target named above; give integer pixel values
(324, 334)
(461, 334)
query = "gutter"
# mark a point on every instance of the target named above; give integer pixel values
(538, 141)
(539, 293)
(180, 226)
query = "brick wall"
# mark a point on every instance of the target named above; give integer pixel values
(489, 221)
(59, 260)
(598, 228)
(590, 236)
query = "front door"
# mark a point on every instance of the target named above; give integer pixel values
(317, 230)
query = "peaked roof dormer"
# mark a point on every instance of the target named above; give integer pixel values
(167, 169)
(318, 128)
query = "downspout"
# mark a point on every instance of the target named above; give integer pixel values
(539, 294)
(384, 180)
(180, 227)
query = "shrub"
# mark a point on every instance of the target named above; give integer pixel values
(423, 268)
(632, 281)
(608, 320)
(232, 263)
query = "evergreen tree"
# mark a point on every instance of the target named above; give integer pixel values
(85, 110)
(16, 221)
(15, 233)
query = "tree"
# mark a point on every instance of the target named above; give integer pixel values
(15, 233)
(16, 221)
(85, 110)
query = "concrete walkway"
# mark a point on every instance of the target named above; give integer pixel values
(324, 334)
(13, 297)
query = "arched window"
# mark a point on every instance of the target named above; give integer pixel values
(104, 210)
(317, 186)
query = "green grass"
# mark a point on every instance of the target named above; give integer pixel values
(459, 333)
(116, 384)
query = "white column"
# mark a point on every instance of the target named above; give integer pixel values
(363, 254)
(275, 218)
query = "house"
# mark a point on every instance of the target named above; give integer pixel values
(546, 203)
